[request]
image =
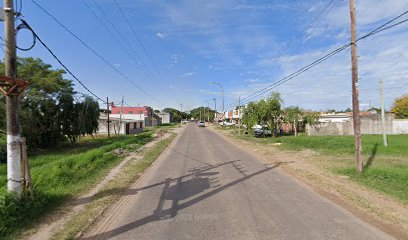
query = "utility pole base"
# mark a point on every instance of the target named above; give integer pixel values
(13, 164)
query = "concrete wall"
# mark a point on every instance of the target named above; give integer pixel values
(368, 126)
(400, 126)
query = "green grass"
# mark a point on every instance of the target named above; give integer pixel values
(110, 193)
(390, 180)
(59, 175)
(397, 144)
(385, 168)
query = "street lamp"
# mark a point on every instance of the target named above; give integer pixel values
(222, 91)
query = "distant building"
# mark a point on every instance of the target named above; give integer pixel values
(119, 126)
(136, 113)
(165, 117)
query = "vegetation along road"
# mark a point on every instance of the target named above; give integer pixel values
(204, 187)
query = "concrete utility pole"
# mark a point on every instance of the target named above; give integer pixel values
(383, 113)
(181, 110)
(356, 110)
(215, 109)
(208, 113)
(12, 103)
(107, 106)
(222, 91)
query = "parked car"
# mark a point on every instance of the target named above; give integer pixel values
(228, 124)
(262, 132)
(201, 124)
(184, 121)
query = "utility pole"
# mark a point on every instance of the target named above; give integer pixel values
(12, 103)
(383, 113)
(356, 110)
(120, 116)
(239, 114)
(215, 109)
(208, 113)
(107, 106)
(181, 112)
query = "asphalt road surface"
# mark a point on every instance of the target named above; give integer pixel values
(204, 187)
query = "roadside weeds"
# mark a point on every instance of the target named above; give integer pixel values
(112, 191)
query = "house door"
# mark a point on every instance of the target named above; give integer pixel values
(127, 128)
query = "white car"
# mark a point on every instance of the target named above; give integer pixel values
(228, 123)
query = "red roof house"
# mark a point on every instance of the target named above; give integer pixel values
(147, 111)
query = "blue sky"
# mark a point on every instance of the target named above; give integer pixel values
(243, 45)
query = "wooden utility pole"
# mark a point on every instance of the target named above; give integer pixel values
(383, 113)
(356, 110)
(239, 114)
(120, 116)
(107, 107)
(12, 103)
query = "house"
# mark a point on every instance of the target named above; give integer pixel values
(144, 113)
(119, 125)
(165, 117)
(233, 116)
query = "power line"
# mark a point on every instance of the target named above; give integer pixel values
(322, 59)
(59, 61)
(96, 53)
(136, 35)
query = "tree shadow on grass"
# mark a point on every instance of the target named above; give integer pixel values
(371, 158)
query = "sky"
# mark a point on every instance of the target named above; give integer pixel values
(173, 49)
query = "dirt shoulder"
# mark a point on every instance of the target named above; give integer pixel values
(311, 168)
(95, 200)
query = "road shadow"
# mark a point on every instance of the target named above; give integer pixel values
(181, 190)
(371, 158)
(201, 171)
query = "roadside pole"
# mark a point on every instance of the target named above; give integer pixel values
(12, 102)
(215, 114)
(383, 113)
(120, 116)
(208, 113)
(239, 114)
(356, 110)
(107, 107)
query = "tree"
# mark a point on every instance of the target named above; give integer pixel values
(48, 112)
(273, 107)
(88, 116)
(250, 115)
(400, 107)
(293, 115)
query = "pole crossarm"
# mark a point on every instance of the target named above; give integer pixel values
(11, 86)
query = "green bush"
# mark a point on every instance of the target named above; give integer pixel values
(59, 175)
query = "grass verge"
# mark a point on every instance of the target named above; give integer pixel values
(58, 176)
(112, 192)
(385, 168)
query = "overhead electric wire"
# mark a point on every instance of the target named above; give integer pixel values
(136, 35)
(96, 53)
(379, 29)
(59, 61)
(138, 61)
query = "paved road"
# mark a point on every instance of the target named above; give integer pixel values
(204, 187)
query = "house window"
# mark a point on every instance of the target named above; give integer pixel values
(130, 112)
(134, 125)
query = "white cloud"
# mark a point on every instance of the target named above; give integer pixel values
(189, 74)
(160, 35)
